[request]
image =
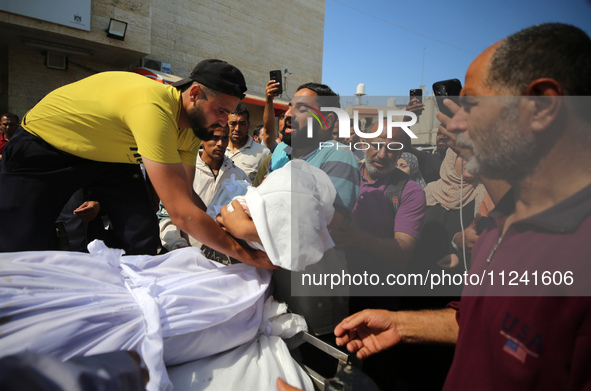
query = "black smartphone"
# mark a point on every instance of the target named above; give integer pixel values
(276, 75)
(447, 89)
(418, 93)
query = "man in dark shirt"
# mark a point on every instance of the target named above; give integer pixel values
(516, 124)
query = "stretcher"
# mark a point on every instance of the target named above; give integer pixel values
(206, 324)
(346, 377)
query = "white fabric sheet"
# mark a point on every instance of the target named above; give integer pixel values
(291, 210)
(255, 365)
(227, 190)
(171, 308)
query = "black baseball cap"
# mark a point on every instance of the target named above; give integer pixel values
(217, 75)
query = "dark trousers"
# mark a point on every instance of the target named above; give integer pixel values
(36, 181)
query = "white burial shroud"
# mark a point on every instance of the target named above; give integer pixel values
(291, 210)
(171, 308)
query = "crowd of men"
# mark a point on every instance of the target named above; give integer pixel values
(514, 128)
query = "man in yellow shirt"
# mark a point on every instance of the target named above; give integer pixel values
(94, 133)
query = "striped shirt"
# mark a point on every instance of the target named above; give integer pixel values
(342, 168)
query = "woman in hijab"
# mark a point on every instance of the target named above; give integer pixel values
(453, 201)
(456, 187)
(410, 165)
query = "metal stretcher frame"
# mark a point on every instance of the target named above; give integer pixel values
(343, 358)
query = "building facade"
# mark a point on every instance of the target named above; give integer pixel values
(38, 54)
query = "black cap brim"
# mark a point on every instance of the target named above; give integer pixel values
(182, 82)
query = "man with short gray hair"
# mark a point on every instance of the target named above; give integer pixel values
(246, 153)
(388, 216)
(523, 119)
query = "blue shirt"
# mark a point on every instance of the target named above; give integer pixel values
(342, 168)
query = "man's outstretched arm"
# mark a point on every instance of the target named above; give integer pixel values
(176, 192)
(371, 331)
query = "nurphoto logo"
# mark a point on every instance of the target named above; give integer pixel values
(344, 130)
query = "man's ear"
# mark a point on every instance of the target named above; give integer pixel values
(330, 120)
(544, 87)
(546, 100)
(196, 93)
